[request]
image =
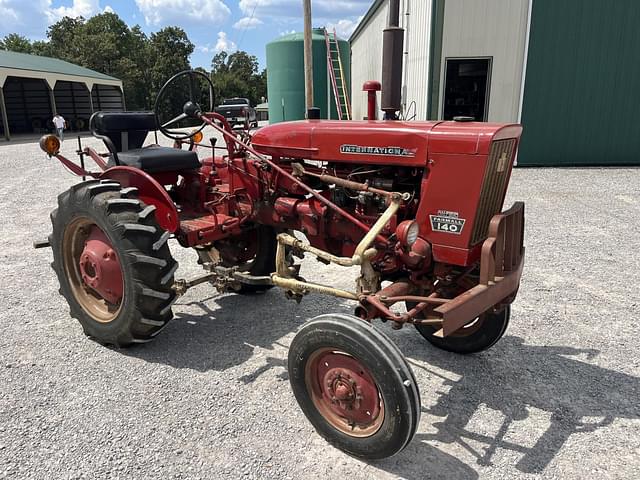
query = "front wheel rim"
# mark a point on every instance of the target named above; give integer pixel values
(470, 328)
(344, 393)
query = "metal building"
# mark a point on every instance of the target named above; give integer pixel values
(33, 88)
(565, 70)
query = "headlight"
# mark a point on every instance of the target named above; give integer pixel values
(50, 144)
(407, 232)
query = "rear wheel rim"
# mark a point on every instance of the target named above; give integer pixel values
(93, 270)
(344, 393)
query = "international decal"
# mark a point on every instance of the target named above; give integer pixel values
(383, 151)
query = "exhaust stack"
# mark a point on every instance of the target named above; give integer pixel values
(392, 51)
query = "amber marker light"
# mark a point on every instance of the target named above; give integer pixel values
(197, 137)
(50, 144)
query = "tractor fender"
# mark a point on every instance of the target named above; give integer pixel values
(149, 191)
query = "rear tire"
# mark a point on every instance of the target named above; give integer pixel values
(354, 386)
(480, 336)
(146, 264)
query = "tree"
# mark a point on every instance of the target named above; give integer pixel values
(169, 51)
(105, 41)
(139, 93)
(109, 46)
(259, 86)
(63, 39)
(41, 48)
(236, 75)
(106, 44)
(15, 43)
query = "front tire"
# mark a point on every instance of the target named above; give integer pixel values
(478, 335)
(354, 386)
(113, 263)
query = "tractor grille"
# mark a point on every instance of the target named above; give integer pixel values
(493, 186)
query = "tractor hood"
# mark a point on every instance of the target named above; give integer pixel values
(378, 142)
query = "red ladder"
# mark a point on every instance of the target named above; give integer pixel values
(336, 72)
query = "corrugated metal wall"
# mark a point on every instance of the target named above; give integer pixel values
(416, 63)
(489, 28)
(28, 105)
(366, 60)
(582, 96)
(73, 103)
(107, 98)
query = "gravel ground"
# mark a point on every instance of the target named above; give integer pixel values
(556, 398)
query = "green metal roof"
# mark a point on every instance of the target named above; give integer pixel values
(35, 63)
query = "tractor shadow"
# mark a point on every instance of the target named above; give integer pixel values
(510, 381)
(223, 331)
(577, 398)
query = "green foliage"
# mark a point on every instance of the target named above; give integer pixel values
(236, 75)
(105, 43)
(41, 48)
(65, 39)
(170, 49)
(16, 43)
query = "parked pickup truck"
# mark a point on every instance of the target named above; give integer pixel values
(238, 111)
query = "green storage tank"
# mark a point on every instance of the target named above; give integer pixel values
(285, 76)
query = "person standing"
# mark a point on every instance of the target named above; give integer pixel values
(60, 124)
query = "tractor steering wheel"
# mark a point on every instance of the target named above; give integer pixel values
(191, 108)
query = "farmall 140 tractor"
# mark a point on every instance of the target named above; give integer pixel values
(416, 205)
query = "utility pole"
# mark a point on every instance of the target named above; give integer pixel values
(308, 55)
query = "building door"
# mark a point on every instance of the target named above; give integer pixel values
(466, 88)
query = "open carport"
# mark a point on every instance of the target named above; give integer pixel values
(33, 88)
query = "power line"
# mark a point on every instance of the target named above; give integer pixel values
(244, 30)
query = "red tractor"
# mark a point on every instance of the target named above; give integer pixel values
(416, 205)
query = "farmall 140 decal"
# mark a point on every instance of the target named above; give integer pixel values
(447, 222)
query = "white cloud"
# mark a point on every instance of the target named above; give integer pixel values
(25, 18)
(109, 9)
(9, 14)
(224, 44)
(31, 18)
(175, 12)
(344, 28)
(79, 8)
(247, 23)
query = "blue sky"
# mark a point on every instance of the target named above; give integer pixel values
(212, 25)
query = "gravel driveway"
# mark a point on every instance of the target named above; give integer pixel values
(558, 397)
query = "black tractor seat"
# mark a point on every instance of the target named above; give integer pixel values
(124, 134)
(155, 159)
